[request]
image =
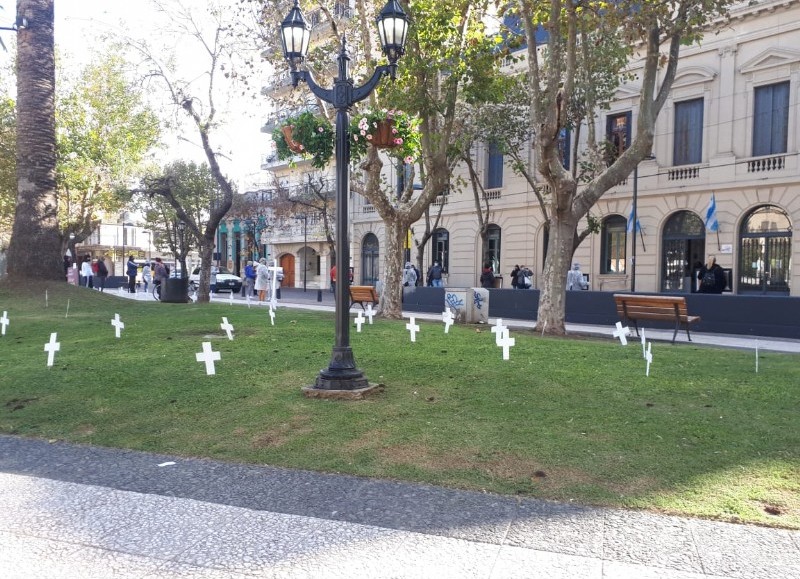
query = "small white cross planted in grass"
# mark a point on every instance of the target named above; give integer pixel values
(756, 354)
(208, 357)
(51, 348)
(118, 325)
(644, 354)
(271, 314)
(4, 321)
(369, 313)
(649, 357)
(505, 341)
(497, 330)
(621, 332)
(248, 300)
(230, 298)
(412, 327)
(228, 327)
(360, 319)
(448, 319)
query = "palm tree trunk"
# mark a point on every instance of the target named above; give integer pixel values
(34, 251)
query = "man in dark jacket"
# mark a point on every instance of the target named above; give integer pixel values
(711, 277)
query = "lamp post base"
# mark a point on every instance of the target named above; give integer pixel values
(341, 373)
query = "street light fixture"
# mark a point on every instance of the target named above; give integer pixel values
(392, 23)
(304, 217)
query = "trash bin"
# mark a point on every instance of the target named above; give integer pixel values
(498, 282)
(175, 290)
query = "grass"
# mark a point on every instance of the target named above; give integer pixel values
(565, 419)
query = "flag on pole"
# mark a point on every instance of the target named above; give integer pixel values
(630, 222)
(711, 222)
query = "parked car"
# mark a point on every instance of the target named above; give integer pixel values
(226, 281)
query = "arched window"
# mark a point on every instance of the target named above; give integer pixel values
(765, 251)
(683, 250)
(370, 251)
(440, 248)
(613, 245)
(491, 248)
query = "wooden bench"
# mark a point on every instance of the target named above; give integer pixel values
(661, 308)
(363, 293)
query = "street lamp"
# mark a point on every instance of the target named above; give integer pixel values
(124, 234)
(304, 217)
(392, 22)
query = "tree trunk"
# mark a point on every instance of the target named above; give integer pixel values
(206, 255)
(552, 296)
(392, 300)
(34, 251)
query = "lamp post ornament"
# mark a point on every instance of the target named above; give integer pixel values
(392, 22)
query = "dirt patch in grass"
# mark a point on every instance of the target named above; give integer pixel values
(282, 433)
(369, 440)
(85, 430)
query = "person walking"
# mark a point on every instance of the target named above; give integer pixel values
(249, 280)
(524, 278)
(435, 275)
(514, 273)
(147, 276)
(131, 269)
(409, 275)
(487, 276)
(86, 272)
(160, 275)
(262, 279)
(102, 274)
(333, 279)
(575, 279)
(711, 277)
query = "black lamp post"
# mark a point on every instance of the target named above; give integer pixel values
(304, 218)
(392, 22)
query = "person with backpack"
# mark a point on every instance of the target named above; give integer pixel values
(487, 276)
(711, 277)
(102, 274)
(409, 275)
(435, 275)
(524, 278)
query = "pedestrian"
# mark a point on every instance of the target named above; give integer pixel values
(418, 281)
(575, 279)
(435, 275)
(86, 272)
(262, 279)
(160, 275)
(711, 277)
(514, 273)
(524, 278)
(249, 279)
(131, 269)
(409, 275)
(102, 274)
(487, 276)
(147, 275)
(333, 279)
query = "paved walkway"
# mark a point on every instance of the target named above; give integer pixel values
(86, 512)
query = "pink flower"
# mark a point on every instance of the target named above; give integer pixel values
(398, 141)
(355, 137)
(394, 131)
(408, 160)
(369, 137)
(302, 148)
(363, 132)
(320, 130)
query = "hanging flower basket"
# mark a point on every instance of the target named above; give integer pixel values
(293, 145)
(384, 135)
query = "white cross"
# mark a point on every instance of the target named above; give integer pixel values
(756, 354)
(644, 354)
(447, 318)
(370, 312)
(208, 357)
(505, 341)
(360, 319)
(497, 330)
(51, 348)
(228, 327)
(621, 332)
(4, 321)
(274, 270)
(271, 314)
(230, 299)
(412, 327)
(649, 357)
(118, 325)
(193, 297)
(248, 300)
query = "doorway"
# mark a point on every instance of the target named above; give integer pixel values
(683, 250)
(765, 252)
(287, 263)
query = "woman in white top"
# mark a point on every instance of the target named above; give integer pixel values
(262, 279)
(86, 272)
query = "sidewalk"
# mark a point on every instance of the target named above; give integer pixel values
(85, 512)
(297, 298)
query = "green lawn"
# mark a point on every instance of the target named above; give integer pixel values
(564, 419)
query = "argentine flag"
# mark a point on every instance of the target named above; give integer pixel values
(630, 222)
(711, 215)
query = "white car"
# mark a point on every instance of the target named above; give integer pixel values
(226, 281)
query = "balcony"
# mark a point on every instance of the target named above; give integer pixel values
(683, 173)
(492, 194)
(763, 164)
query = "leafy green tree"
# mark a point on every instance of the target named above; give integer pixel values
(8, 179)
(104, 131)
(562, 89)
